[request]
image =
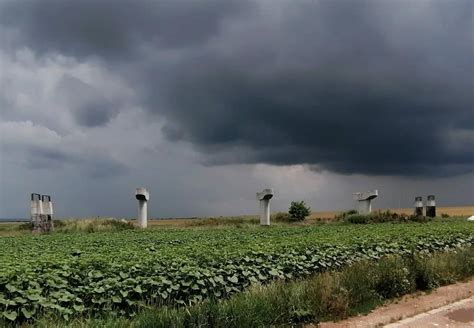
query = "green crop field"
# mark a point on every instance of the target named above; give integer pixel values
(81, 274)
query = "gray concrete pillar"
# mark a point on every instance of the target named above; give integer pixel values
(36, 210)
(41, 213)
(264, 200)
(431, 206)
(419, 206)
(364, 200)
(142, 196)
(47, 213)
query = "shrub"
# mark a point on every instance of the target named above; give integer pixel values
(93, 225)
(419, 218)
(381, 217)
(281, 217)
(359, 279)
(424, 272)
(26, 226)
(221, 221)
(299, 211)
(444, 215)
(393, 278)
(357, 219)
(59, 223)
(343, 215)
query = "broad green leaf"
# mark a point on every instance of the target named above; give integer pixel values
(10, 315)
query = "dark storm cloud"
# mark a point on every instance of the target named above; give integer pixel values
(346, 86)
(371, 87)
(88, 106)
(114, 28)
(47, 158)
(92, 164)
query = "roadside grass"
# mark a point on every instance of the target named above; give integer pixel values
(92, 225)
(326, 296)
(83, 225)
(16, 229)
(239, 221)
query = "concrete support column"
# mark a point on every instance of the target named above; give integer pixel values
(365, 206)
(47, 213)
(142, 196)
(264, 200)
(36, 210)
(364, 200)
(431, 206)
(142, 213)
(265, 212)
(419, 206)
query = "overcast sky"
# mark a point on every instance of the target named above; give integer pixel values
(207, 102)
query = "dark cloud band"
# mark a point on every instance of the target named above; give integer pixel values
(353, 87)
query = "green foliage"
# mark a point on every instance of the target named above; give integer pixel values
(121, 273)
(357, 218)
(381, 217)
(222, 221)
(393, 278)
(59, 223)
(25, 226)
(86, 225)
(357, 288)
(299, 211)
(93, 225)
(416, 218)
(281, 217)
(343, 215)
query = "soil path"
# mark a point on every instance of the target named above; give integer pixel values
(423, 310)
(459, 314)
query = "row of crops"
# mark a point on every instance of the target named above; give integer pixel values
(74, 274)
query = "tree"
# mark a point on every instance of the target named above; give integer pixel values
(299, 211)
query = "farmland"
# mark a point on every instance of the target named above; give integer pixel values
(454, 211)
(121, 272)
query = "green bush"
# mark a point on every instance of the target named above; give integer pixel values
(343, 215)
(281, 217)
(393, 278)
(299, 211)
(359, 279)
(424, 273)
(419, 218)
(25, 226)
(357, 219)
(381, 217)
(59, 223)
(93, 225)
(238, 222)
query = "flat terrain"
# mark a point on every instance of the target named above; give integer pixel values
(454, 211)
(9, 228)
(119, 271)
